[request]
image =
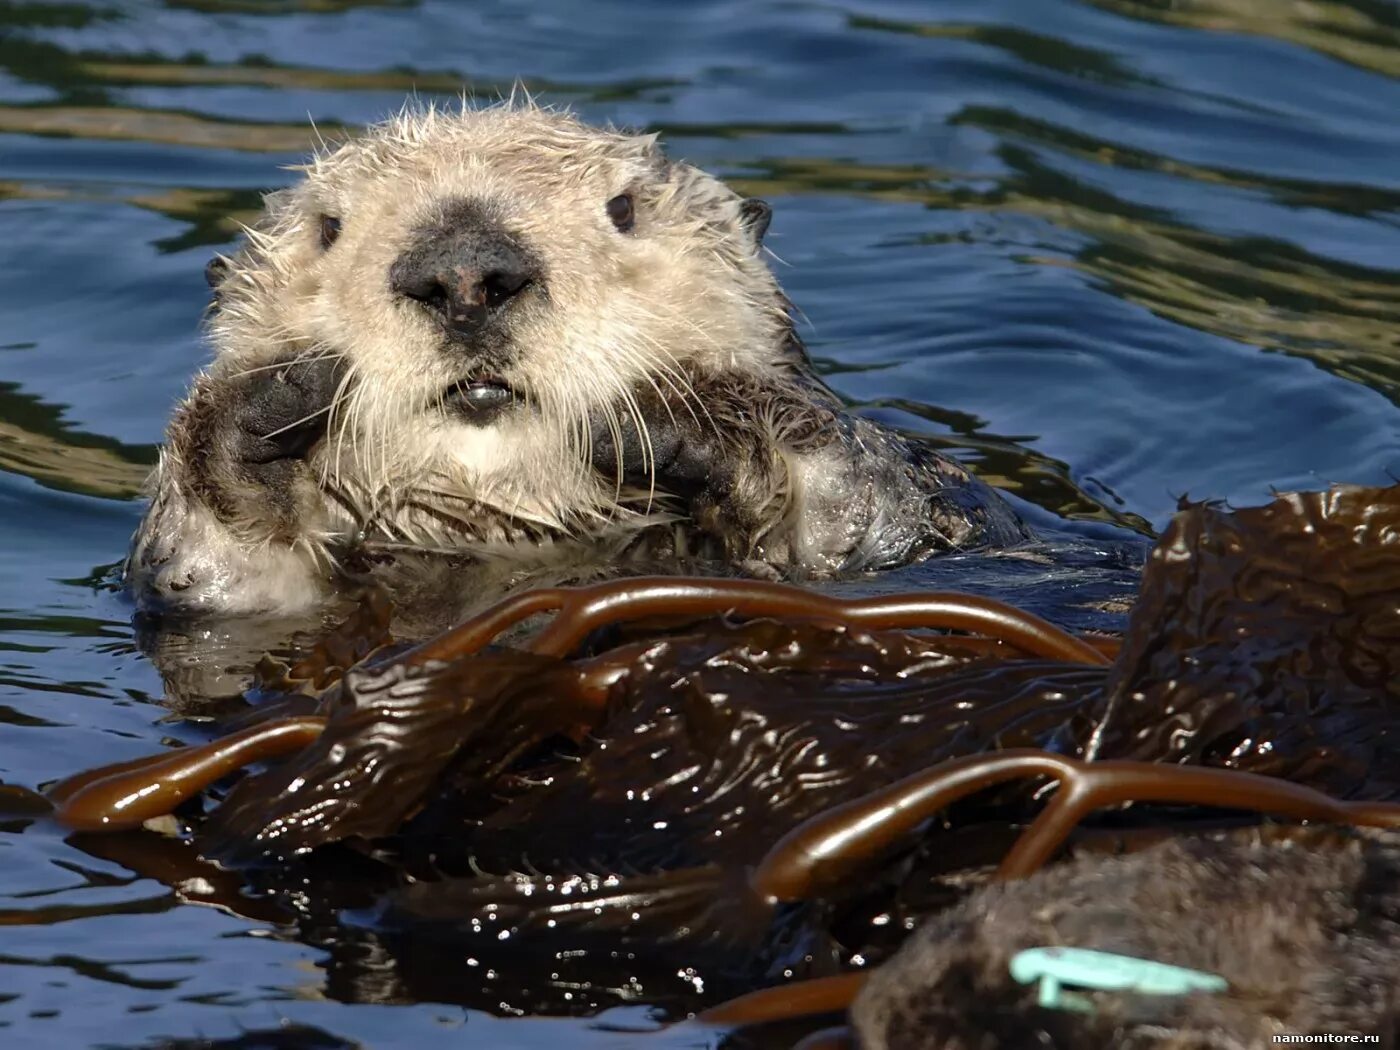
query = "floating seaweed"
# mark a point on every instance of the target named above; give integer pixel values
(678, 791)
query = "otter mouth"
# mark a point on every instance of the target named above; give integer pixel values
(480, 399)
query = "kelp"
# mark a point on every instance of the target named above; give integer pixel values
(677, 791)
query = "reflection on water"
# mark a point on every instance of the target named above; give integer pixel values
(1110, 251)
(34, 442)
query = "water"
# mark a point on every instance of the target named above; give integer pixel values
(1110, 251)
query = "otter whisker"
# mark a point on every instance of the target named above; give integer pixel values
(651, 494)
(340, 423)
(614, 425)
(346, 504)
(685, 393)
(363, 431)
(279, 365)
(664, 362)
(644, 434)
(324, 410)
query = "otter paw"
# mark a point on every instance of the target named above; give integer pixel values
(679, 452)
(243, 441)
(280, 413)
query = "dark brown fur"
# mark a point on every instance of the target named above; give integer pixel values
(1305, 926)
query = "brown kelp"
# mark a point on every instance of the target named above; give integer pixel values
(679, 790)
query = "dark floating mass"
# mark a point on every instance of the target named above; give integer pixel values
(739, 798)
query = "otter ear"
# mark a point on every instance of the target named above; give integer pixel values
(215, 270)
(755, 215)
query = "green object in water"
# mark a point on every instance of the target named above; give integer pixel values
(1103, 971)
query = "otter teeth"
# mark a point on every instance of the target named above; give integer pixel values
(482, 394)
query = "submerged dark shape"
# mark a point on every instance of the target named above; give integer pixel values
(283, 1037)
(578, 814)
(1304, 927)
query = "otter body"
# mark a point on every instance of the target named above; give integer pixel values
(501, 332)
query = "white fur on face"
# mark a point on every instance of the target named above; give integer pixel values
(684, 293)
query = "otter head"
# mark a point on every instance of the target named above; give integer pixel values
(484, 331)
(489, 285)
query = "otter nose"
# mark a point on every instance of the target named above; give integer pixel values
(464, 275)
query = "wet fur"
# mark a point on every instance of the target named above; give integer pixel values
(1306, 929)
(320, 427)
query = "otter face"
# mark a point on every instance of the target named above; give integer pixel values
(489, 285)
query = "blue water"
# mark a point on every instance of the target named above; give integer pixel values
(1113, 252)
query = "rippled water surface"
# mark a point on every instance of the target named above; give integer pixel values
(1111, 251)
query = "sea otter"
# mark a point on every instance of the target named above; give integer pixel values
(503, 332)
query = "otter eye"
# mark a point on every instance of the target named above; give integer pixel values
(330, 230)
(621, 213)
